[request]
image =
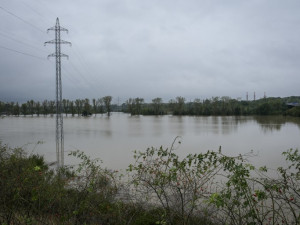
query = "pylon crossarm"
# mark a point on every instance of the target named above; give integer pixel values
(59, 42)
(57, 28)
(51, 55)
(64, 55)
(63, 29)
(61, 55)
(49, 42)
(52, 28)
(65, 42)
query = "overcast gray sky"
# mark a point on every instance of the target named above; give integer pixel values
(151, 48)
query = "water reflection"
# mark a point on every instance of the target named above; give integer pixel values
(176, 123)
(134, 126)
(223, 125)
(275, 123)
(215, 124)
(157, 125)
(228, 125)
(107, 127)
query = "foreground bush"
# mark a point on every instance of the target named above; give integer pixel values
(255, 196)
(179, 187)
(163, 188)
(216, 188)
(33, 193)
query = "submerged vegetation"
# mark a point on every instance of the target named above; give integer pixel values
(159, 188)
(217, 106)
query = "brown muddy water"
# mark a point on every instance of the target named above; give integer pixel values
(113, 139)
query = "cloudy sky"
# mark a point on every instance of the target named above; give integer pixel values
(151, 48)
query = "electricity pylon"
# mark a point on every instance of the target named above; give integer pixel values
(59, 112)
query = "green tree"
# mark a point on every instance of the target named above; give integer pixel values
(24, 109)
(179, 106)
(171, 106)
(17, 109)
(51, 107)
(72, 108)
(138, 105)
(216, 108)
(10, 108)
(100, 104)
(197, 106)
(263, 109)
(207, 107)
(94, 106)
(86, 107)
(78, 106)
(157, 106)
(130, 106)
(1, 107)
(38, 108)
(107, 102)
(65, 103)
(31, 107)
(134, 106)
(45, 106)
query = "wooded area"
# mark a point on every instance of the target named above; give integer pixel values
(217, 106)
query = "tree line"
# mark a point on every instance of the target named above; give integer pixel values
(216, 106)
(80, 107)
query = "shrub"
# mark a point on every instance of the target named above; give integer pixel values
(179, 187)
(251, 196)
(203, 188)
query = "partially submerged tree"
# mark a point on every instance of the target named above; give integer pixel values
(107, 103)
(157, 106)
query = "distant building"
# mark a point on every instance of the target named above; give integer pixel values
(293, 104)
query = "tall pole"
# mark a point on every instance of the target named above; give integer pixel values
(59, 111)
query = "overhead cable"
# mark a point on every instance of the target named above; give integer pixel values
(23, 53)
(35, 27)
(21, 42)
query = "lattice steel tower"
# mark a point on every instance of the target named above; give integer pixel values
(59, 112)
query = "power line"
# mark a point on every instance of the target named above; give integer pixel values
(45, 6)
(84, 65)
(68, 75)
(21, 42)
(80, 74)
(81, 58)
(35, 27)
(70, 78)
(35, 11)
(23, 53)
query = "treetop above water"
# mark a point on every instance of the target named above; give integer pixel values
(177, 106)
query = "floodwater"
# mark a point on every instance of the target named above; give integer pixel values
(113, 139)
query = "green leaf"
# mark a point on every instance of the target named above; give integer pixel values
(37, 168)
